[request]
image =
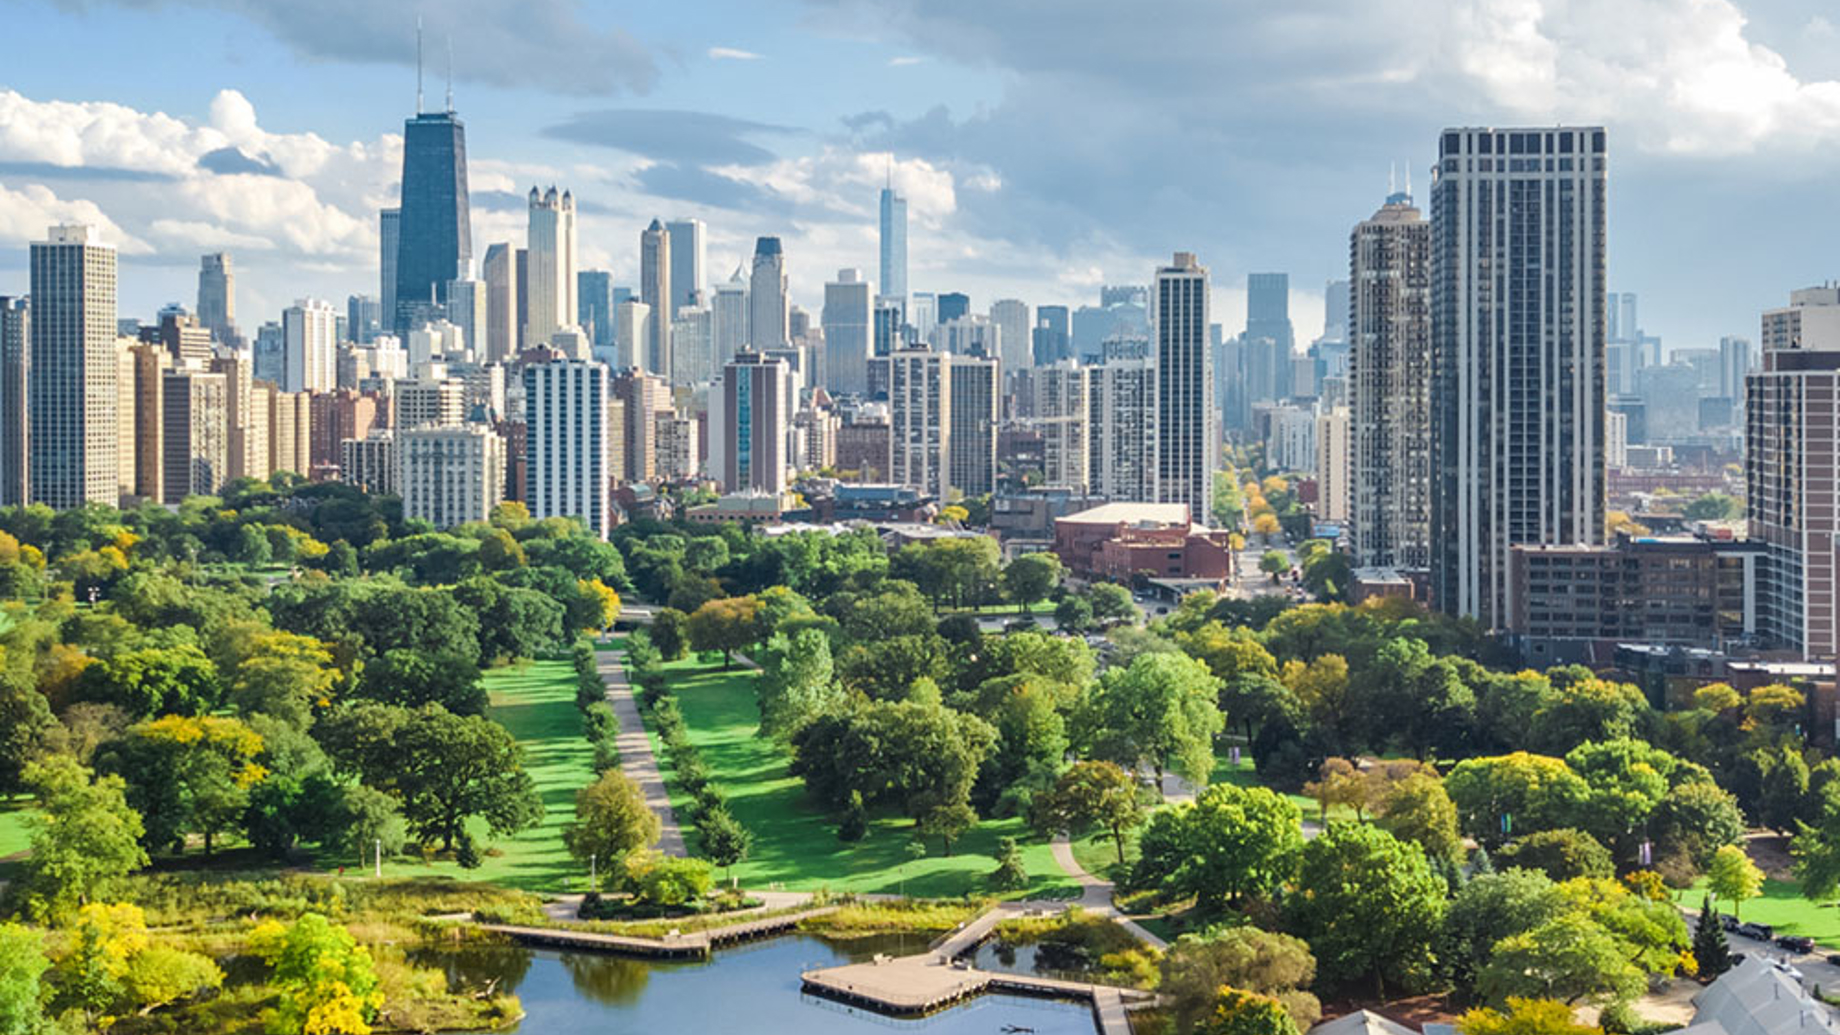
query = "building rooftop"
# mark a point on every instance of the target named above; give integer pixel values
(1162, 515)
(1759, 998)
(1361, 1022)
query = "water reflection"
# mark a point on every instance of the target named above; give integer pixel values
(752, 988)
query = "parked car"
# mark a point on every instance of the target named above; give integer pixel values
(1834, 958)
(1727, 921)
(1761, 932)
(1796, 943)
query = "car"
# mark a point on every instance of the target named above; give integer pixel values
(1761, 932)
(1019, 625)
(1727, 921)
(1834, 958)
(1796, 943)
(1736, 958)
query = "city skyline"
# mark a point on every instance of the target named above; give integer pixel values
(986, 222)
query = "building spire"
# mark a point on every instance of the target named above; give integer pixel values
(418, 64)
(1392, 178)
(450, 75)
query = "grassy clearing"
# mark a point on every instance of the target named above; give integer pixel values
(1100, 857)
(1781, 906)
(795, 842)
(14, 837)
(536, 702)
(1246, 775)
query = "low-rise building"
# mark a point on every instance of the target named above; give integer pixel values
(1119, 540)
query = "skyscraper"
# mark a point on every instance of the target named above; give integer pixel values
(1389, 266)
(767, 308)
(1011, 316)
(436, 243)
(309, 347)
(1187, 439)
(894, 244)
(450, 476)
(550, 280)
(729, 319)
(952, 306)
(467, 309)
(976, 386)
(594, 306)
(1121, 403)
(15, 402)
(1061, 406)
(217, 297)
(73, 439)
(568, 461)
(389, 234)
(1053, 337)
(195, 434)
(920, 419)
(502, 304)
(687, 266)
(1517, 302)
(363, 318)
(847, 343)
(751, 424)
(655, 291)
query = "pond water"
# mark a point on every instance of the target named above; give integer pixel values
(752, 988)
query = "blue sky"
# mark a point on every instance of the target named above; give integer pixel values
(1047, 145)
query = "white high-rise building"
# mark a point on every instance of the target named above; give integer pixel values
(845, 322)
(310, 343)
(894, 244)
(1122, 450)
(450, 476)
(1390, 338)
(920, 412)
(977, 400)
(1517, 299)
(550, 273)
(217, 297)
(693, 346)
(568, 465)
(72, 436)
(728, 325)
(767, 305)
(632, 335)
(1013, 322)
(688, 248)
(1188, 440)
(655, 291)
(1333, 470)
(1062, 395)
(468, 309)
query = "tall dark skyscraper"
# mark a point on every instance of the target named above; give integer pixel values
(435, 243)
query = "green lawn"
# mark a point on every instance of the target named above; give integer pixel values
(1246, 775)
(13, 834)
(795, 842)
(536, 702)
(1781, 906)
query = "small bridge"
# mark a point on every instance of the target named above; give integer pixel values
(696, 944)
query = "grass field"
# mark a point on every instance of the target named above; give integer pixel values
(1781, 906)
(536, 702)
(795, 842)
(13, 835)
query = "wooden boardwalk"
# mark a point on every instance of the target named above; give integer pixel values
(694, 944)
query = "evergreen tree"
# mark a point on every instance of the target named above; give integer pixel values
(1709, 946)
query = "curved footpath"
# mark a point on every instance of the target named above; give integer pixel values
(1096, 894)
(636, 758)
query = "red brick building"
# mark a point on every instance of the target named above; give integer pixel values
(1119, 540)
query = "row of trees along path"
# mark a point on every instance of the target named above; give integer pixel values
(636, 758)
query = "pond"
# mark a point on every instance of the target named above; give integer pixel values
(751, 988)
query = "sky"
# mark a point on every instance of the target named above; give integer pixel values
(1046, 146)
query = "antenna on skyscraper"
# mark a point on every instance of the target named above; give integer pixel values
(1392, 178)
(418, 64)
(450, 75)
(1408, 179)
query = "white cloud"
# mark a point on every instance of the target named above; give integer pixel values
(732, 54)
(27, 212)
(905, 61)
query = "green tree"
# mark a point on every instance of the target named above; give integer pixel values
(1561, 854)
(1369, 905)
(667, 881)
(1711, 950)
(1032, 577)
(1264, 962)
(725, 841)
(1732, 877)
(1274, 563)
(1418, 809)
(1712, 506)
(1488, 908)
(797, 682)
(22, 967)
(1229, 843)
(612, 820)
(671, 633)
(725, 626)
(326, 980)
(412, 678)
(1524, 1017)
(1073, 614)
(1239, 1012)
(84, 836)
(1585, 709)
(948, 822)
(160, 975)
(913, 754)
(1111, 603)
(1534, 792)
(1088, 795)
(1567, 958)
(1162, 710)
(1010, 874)
(364, 821)
(187, 776)
(153, 681)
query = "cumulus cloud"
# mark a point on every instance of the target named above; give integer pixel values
(732, 54)
(27, 211)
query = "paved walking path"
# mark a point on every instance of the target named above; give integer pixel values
(636, 758)
(1096, 893)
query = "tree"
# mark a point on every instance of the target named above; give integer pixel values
(1274, 563)
(412, 678)
(1567, 958)
(725, 625)
(948, 822)
(1032, 577)
(1010, 874)
(187, 776)
(1417, 808)
(1732, 877)
(1711, 950)
(1239, 1012)
(611, 821)
(153, 681)
(326, 981)
(1161, 710)
(89, 976)
(797, 682)
(1277, 965)
(1524, 1017)
(22, 992)
(1369, 905)
(725, 841)
(283, 674)
(1712, 506)
(1229, 843)
(84, 836)
(1338, 782)
(160, 975)
(1496, 795)
(443, 768)
(1111, 603)
(671, 633)
(667, 881)
(1091, 794)
(365, 820)
(1586, 709)
(1489, 908)
(1561, 854)
(914, 754)
(1073, 614)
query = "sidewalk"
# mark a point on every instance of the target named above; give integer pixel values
(636, 758)
(1096, 893)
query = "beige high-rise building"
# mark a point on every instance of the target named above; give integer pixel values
(1389, 267)
(370, 462)
(641, 397)
(217, 297)
(502, 303)
(74, 434)
(550, 273)
(1061, 396)
(655, 291)
(423, 403)
(127, 446)
(290, 428)
(146, 421)
(195, 443)
(450, 476)
(248, 431)
(1334, 471)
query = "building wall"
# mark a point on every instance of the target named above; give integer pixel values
(73, 439)
(568, 465)
(450, 476)
(1187, 439)
(1390, 387)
